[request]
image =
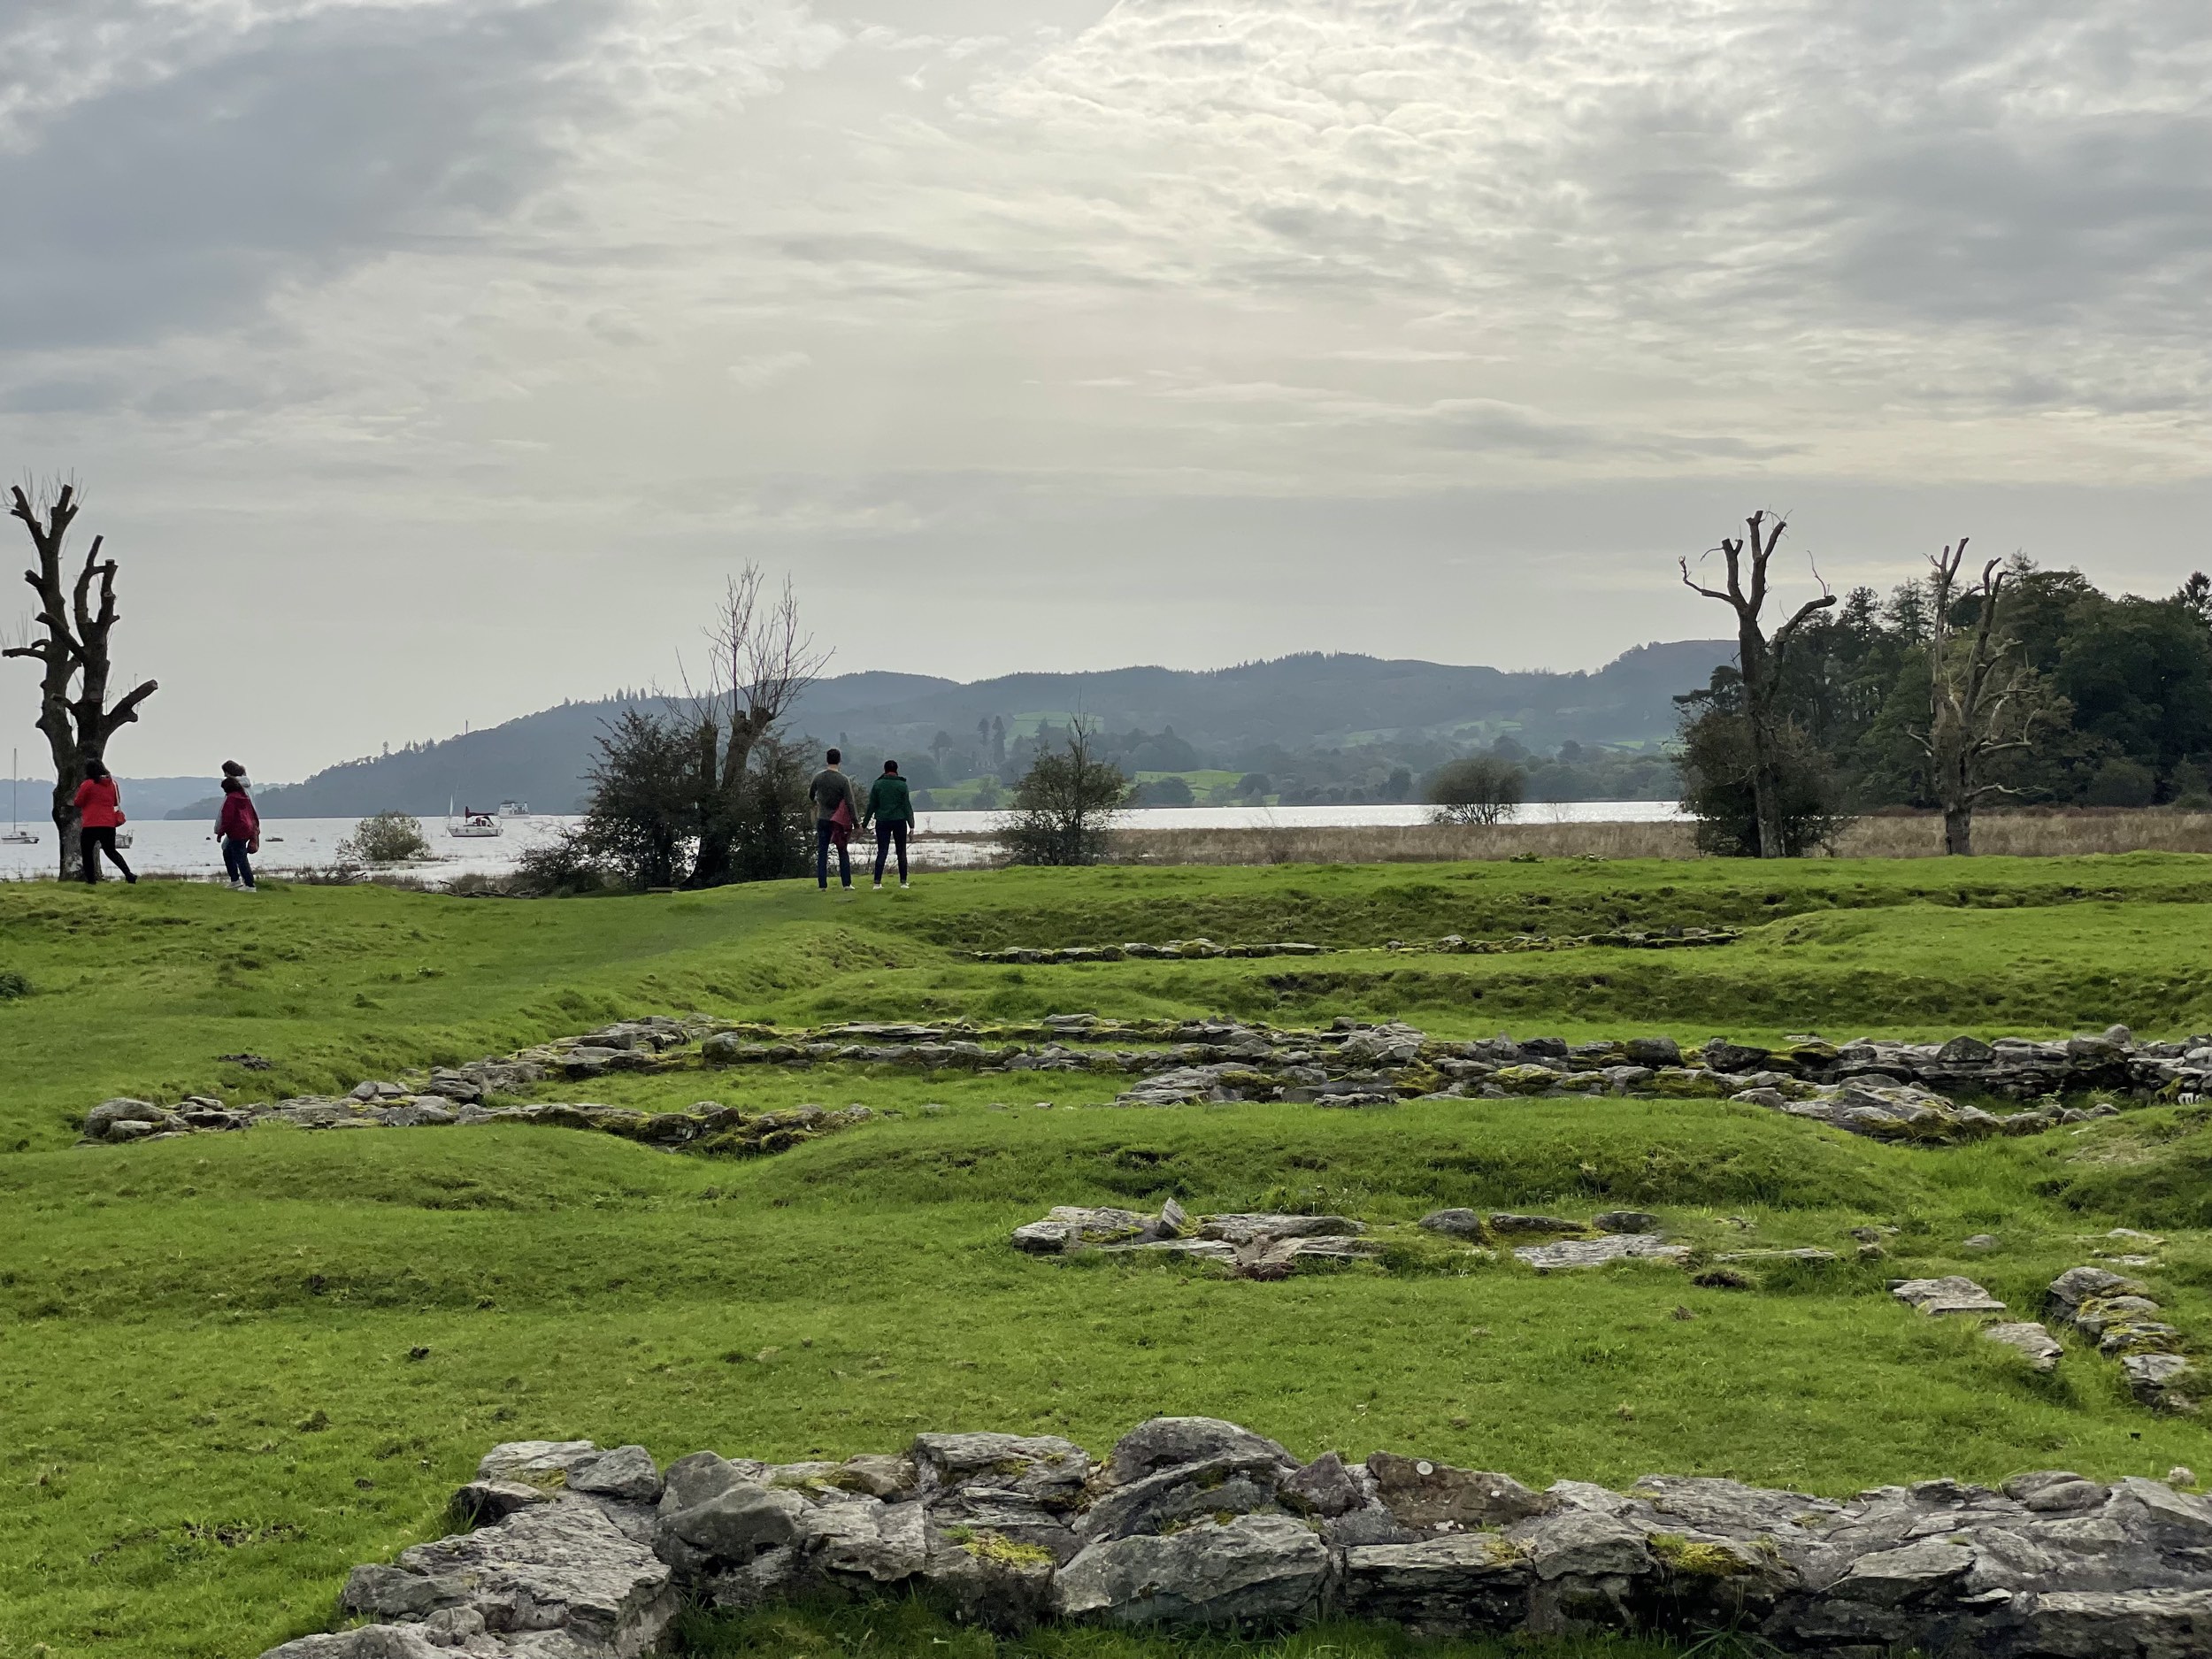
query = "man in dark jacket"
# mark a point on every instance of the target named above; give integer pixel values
(892, 809)
(831, 791)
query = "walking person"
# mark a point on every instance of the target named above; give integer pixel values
(891, 807)
(99, 804)
(238, 826)
(835, 811)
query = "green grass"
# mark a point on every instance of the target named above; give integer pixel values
(909, 1627)
(204, 1344)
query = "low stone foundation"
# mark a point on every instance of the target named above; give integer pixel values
(584, 1554)
(1888, 1090)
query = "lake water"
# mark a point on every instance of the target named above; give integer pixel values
(177, 848)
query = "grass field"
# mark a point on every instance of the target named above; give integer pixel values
(205, 1344)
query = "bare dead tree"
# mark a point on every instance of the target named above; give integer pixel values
(73, 622)
(1983, 698)
(760, 660)
(1759, 659)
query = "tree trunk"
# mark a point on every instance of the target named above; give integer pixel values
(1958, 831)
(710, 865)
(1766, 793)
(68, 773)
(71, 866)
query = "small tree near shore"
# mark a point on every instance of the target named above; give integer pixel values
(1064, 804)
(385, 838)
(74, 620)
(1481, 789)
(743, 807)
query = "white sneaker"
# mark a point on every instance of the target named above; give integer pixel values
(901, 884)
(236, 884)
(879, 887)
(248, 887)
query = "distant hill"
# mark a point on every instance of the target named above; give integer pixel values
(142, 797)
(1228, 714)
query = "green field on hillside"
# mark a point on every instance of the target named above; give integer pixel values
(234, 1365)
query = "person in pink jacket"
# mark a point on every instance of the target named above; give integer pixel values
(238, 826)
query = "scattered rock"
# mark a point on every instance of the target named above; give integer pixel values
(2078, 1285)
(2154, 1381)
(1625, 1221)
(1422, 1495)
(2037, 1345)
(1613, 1246)
(1458, 1224)
(1951, 1293)
(1507, 1221)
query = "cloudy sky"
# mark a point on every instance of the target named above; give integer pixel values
(431, 360)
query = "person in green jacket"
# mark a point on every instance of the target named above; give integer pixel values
(891, 809)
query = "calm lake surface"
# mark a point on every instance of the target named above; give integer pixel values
(176, 848)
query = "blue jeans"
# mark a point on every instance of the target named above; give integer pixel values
(822, 830)
(234, 861)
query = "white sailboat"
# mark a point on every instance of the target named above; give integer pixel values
(471, 824)
(16, 835)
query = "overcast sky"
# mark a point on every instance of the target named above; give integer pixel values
(428, 361)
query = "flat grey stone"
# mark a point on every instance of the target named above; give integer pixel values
(1467, 1581)
(1614, 1246)
(1163, 1443)
(1951, 1293)
(627, 1473)
(1263, 1568)
(1421, 1494)
(2032, 1341)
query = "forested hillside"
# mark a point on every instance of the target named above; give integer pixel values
(1315, 726)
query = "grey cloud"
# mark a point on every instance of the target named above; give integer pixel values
(2031, 228)
(320, 140)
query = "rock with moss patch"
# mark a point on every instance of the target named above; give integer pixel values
(1424, 1495)
(1440, 1586)
(1251, 1568)
(1044, 1468)
(2158, 1380)
(562, 1568)
(2076, 1285)
(1068, 1226)
(1216, 1487)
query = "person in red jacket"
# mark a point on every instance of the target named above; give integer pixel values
(238, 826)
(99, 805)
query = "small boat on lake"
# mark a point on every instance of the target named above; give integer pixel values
(514, 809)
(471, 825)
(16, 835)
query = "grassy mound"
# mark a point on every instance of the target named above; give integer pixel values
(236, 1364)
